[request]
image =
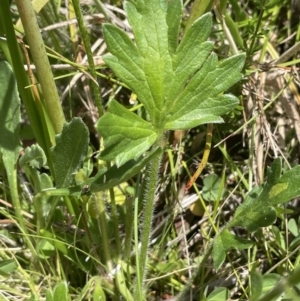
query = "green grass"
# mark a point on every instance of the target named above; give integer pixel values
(76, 225)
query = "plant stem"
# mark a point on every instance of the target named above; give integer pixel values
(100, 208)
(87, 46)
(43, 68)
(114, 217)
(255, 35)
(33, 107)
(149, 200)
(102, 9)
(12, 180)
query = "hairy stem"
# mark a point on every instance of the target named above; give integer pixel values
(149, 200)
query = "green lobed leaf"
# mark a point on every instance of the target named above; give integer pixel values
(151, 32)
(69, 151)
(180, 86)
(190, 55)
(211, 187)
(126, 139)
(126, 63)
(173, 17)
(201, 99)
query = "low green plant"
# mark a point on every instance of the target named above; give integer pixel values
(179, 86)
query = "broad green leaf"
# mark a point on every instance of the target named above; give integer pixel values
(218, 252)
(58, 244)
(231, 241)
(254, 215)
(225, 241)
(10, 117)
(293, 227)
(219, 294)
(69, 151)
(121, 285)
(126, 139)
(49, 295)
(61, 292)
(280, 239)
(274, 173)
(117, 175)
(256, 284)
(45, 249)
(8, 266)
(46, 203)
(269, 282)
(98, 293)
(286, 188)
(258, 208)
(259, 217)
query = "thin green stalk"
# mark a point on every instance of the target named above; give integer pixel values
(114, 217)
(129, 223)
(12, 180)
(233, 166)
(258, 23)
(87, 45)
(102, 9)
(43, 68)
(100, 209)
(149, 200)
(251, 157)
(139, 286)
(52, 211)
